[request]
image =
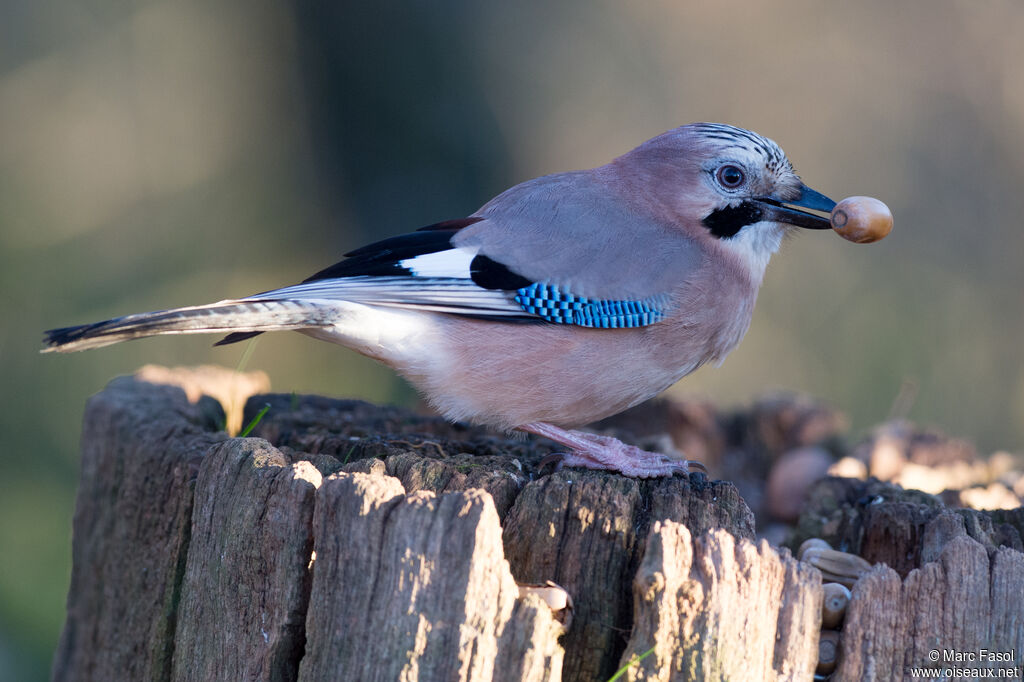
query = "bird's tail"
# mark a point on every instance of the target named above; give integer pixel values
(240, 318)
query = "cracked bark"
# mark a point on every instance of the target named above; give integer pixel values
(365, 542)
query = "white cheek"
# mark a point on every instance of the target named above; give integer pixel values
(755, 245)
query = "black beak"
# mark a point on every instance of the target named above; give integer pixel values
(781, 211)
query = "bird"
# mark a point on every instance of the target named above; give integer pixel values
(563, 300)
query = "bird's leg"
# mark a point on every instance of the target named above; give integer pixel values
(604, 452)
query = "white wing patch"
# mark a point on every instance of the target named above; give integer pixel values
(447, 263)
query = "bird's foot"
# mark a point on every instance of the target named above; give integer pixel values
(591, 451)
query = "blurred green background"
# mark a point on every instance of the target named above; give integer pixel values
(159, 153)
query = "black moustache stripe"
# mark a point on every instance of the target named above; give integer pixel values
(726, 222)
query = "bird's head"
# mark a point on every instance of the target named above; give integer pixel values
(726, 185)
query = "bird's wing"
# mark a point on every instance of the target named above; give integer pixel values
(422, 269)
(558, 249)
(586, 234)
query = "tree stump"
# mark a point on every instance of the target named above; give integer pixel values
(942, 616)
(722, 608)
(246, 584)
(946, 585)
(349, 541)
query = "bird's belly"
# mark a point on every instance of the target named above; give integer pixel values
(506, 375)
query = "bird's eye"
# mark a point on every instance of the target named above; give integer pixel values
(730, 177)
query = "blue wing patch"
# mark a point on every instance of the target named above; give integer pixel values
(554, 305)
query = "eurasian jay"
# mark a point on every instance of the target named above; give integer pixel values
(563, 300)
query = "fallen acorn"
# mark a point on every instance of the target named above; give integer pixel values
(828, 652)
(835, 566)
(555, 596)
(833, 605)
(808, 543)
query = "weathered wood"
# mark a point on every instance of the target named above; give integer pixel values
(714, 607)
(528, 648)
(415, 587)
(966, 601)
(499, 476)
(141, 447)
(585, 531)
(903, 529)
(582, 530)
(215, 583)
(246, 583)
(420, 526)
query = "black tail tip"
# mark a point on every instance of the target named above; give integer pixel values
(54, 338)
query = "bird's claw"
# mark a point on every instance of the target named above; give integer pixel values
(694, 464)
(626, 459)
(611, 453)
(592, 451)
(556, 460)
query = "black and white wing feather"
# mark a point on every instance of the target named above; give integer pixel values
(420, 270)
